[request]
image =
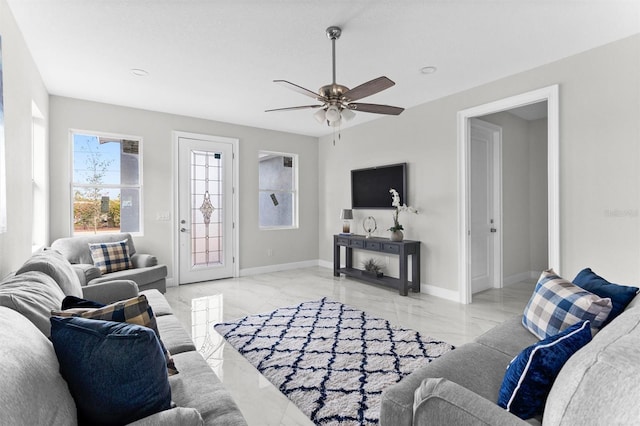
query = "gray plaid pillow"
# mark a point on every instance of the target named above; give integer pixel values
(111, 257)
(557, 304)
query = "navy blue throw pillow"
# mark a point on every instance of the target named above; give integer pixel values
(620, 295)
(70, 302)
(116, 371)
(530, 375)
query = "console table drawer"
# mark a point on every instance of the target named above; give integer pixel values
(343, 241)
(356, 243)
(391, 248)
(372, 245)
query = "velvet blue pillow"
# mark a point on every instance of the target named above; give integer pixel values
(115, 371)
(530, 375)
(620, 295)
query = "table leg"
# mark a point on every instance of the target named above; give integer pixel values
(403, 273)
(415, 271)
(336, 260)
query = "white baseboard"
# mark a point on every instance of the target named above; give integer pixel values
(522, 276)
(325, 264)
(440, 292)
(275, 268)
(171, 282)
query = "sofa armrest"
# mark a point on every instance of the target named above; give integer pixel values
(175, 416)
(440, 401)
(143, 260)
(110, 291)
(85, 272)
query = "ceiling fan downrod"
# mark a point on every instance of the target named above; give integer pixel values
(333, 33)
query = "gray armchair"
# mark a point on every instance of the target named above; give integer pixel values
(146, 272)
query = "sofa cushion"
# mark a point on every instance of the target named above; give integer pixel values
(197, 386)
(33, 392)
(509, 337)
(141, 276)
(115, 371)
(529, 377)
(57, 267)
(557, 304)
(181, 416)
(620, 295)
(110, 257)
(33, 294)
(133, 311)
(173, 335)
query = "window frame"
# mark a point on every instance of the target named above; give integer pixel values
(140, 185)
(39, 179)
(295, 191)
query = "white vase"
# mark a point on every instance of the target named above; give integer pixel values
(396, 235)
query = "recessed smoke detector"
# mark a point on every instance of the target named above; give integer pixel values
(428, 70)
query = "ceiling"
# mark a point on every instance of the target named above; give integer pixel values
(216, 59)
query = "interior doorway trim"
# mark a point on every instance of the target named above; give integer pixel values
(549, 94)
(175, 235)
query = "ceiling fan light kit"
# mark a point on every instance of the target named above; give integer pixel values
(338, 101)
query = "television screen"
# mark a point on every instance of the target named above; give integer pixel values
(370, 187)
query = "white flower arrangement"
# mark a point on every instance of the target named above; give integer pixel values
(395, 202)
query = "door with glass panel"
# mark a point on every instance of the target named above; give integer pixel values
(205, 193)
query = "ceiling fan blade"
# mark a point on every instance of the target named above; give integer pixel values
(376, 108)
(300, 89)
(294, 108)
(369, 88)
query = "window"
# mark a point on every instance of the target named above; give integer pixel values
(107, 184)
(278, 190)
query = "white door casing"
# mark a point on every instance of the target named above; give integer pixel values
(551, 95)
(206, 210)
(485, 197)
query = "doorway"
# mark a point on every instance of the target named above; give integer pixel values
(206, 208)
(548, 95)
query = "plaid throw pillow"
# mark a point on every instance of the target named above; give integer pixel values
(133, 311)
(110, 257)
(557, 304)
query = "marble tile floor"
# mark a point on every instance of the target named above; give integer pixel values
(199, 306)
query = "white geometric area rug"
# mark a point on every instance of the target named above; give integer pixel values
(332, 361)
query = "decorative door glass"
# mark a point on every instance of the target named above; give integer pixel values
(207, 210)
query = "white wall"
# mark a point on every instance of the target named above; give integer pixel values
(599, 165)
(287, 246)
(538, 201)
(22, 86)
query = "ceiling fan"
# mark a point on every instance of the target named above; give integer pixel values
(338, 101)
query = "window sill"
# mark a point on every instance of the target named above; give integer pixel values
(278, 228)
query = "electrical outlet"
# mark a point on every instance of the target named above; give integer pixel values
(269, 252)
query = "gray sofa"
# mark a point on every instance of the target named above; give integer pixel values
(599, 384)
(33, 391)
(146, 272)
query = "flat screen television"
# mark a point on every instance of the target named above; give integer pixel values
(370, 187)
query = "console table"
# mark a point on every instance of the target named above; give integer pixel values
(403, 249)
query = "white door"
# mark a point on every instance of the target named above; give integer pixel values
(205, 209)
(483, 206)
